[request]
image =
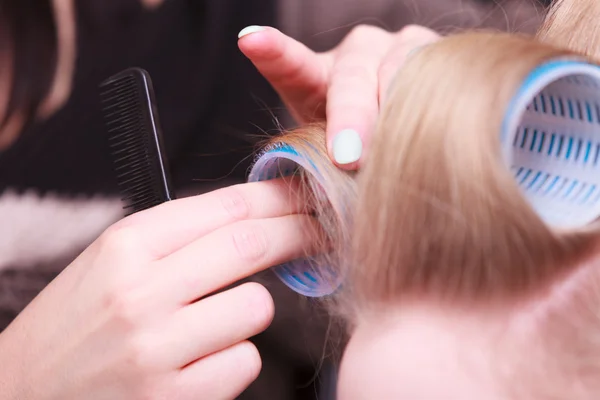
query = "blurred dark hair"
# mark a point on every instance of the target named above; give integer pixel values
(28, 40)
(544, 3)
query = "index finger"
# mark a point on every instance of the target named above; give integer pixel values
(236, 252)
(168, 227)
(296, 72)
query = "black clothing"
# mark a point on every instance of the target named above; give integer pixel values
(210, 97)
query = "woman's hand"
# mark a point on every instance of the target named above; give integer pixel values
(123, 321)
(345, 85)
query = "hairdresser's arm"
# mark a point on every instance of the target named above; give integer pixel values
(345, 85)
(123, 321)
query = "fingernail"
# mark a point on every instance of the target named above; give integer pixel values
(347, 147)
(250, 29)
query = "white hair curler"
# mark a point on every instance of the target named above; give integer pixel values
(550, 139)
(303, 276)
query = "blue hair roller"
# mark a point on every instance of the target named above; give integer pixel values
(551, 142)
(550, 139)
(304, 276)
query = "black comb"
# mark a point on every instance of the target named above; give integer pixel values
(135, 138)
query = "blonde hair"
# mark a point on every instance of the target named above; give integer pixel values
(573, 24)
(435, 211)
(443, 204)
(436, 215)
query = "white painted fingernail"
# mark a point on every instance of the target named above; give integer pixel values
(250, 29)
(347, 147)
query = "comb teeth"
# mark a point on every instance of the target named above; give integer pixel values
(135, 139)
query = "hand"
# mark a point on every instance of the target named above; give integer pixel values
(123, 321)
(345, 85)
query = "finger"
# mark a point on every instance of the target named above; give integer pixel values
(406, 43)
(223, 375)
(233, 253)
(218, 322)
(170, 226)
(297, 73)
(352, 98)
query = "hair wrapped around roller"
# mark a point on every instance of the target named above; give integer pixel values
(439, 213)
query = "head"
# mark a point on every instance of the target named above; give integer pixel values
(573, 24)
(454, 286)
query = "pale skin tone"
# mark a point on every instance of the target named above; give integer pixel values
(426, 350)
(422, 353)
(123, 321)
(346, 85)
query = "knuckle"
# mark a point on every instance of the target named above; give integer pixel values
(354, 71)
(249, 361)
(235, 204)
(364, 31)
(250, 242)
(260, 304)
(150, 390)
(416, 33)
(124, 307)
(138, 356)
(292, 75)
(120, 240)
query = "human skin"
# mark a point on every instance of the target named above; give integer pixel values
(345, 85)
(99, 331)
(124, 320)
(422, 352)
(541, 346)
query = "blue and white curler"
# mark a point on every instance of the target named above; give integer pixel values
(551, 141)
(304, 276)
